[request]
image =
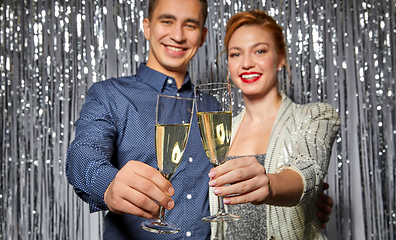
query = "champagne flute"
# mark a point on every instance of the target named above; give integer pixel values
(213, 101)
(172, 127)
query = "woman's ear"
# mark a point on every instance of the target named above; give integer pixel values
(281, 63)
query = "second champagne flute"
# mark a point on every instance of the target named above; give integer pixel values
(213, 101)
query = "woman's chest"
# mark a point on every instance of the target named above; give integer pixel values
(251, 139)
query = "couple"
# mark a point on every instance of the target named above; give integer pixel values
(277, 160)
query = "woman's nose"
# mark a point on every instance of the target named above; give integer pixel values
(247, 62)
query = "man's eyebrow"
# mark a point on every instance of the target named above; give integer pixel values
(194, 21)
(166, 16)
(172, 17)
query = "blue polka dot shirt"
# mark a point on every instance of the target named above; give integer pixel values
(116, 125)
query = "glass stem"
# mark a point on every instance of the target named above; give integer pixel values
(221, 205)
(161, 217)
(220, 231)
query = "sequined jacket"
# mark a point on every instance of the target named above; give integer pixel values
(301, 139)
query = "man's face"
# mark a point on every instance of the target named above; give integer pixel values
(175, 33)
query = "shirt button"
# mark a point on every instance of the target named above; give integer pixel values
(188, 234)
(190, 159)
(177, 94)
(189, 196)
(169, 81)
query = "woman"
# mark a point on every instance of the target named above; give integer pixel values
(280, 150)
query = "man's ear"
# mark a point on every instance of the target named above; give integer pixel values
(146, 28)
(203, 36)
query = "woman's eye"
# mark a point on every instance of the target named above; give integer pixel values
(261, 51)
(234, 55)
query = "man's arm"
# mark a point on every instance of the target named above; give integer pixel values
(135, 188)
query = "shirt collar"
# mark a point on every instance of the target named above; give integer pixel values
(158, 80)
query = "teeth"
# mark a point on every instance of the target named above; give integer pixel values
(249, 76)
(174, 49)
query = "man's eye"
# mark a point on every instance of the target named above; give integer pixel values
(191, 26)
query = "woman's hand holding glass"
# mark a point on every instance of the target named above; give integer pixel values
(245, 180)
(241, 180)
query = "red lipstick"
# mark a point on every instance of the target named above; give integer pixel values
(250, 77)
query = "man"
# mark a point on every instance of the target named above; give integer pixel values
(112, 163)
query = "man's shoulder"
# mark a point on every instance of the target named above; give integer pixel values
(115, 82)
(114, 88)
(119, 80)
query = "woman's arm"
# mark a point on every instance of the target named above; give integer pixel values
(297, 180)
(250, 183)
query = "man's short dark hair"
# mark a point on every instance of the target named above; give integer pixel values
(204, 9)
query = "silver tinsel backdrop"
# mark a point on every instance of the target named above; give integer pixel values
(51, 51)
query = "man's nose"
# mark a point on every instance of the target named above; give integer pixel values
(177, 34)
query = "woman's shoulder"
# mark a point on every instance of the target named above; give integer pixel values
(320, 113)
(312, 111)
(316, 110)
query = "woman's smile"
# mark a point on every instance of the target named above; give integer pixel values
(250, 77)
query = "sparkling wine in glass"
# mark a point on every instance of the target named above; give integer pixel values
(213, 101)
(171, 133)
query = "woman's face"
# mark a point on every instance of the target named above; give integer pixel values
(252, 61)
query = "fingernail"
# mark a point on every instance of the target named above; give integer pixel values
(171, 204)
(226, 201)
(171, 191)
(212, 183)
(212, 174)
(217, 191)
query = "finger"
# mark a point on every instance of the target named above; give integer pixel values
(325, 186)
(323, 217)
(153, 175)
(234, 177)
(326, 199)
(323, 225)
(230, 165)
(126, 200)
(150, 191)
(239, 174)
(128, 207)
(149, 182)
(254, 197)
(245, 186)
(323, 207)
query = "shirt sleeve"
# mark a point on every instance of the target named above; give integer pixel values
(315, 133)
(88, 163)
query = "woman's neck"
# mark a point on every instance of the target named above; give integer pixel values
(262, 108)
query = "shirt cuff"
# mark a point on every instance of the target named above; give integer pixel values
(100, 186)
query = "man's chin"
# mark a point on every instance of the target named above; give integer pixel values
(177, 68)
